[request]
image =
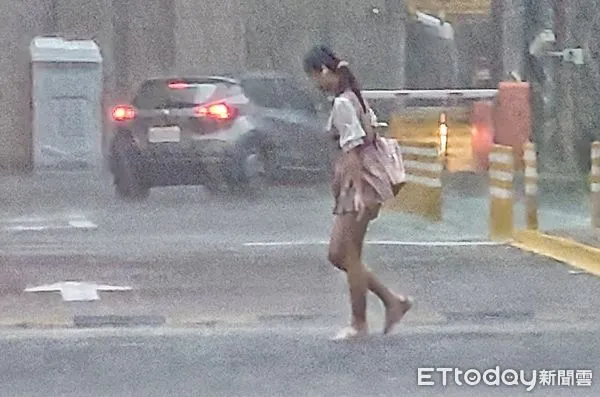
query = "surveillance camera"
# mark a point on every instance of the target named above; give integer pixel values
(436, 26)
(542, 43)
(428, 20)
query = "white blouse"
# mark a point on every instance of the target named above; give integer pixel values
(345, 119)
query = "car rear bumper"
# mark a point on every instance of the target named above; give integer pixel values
(165, 164)
(170, 164)
(190, 161)
(207, 150)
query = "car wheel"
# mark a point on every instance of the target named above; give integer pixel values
(128, 184)
(251, 171)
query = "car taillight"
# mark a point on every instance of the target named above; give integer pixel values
(123, 113)
(178, 86)
(217, 111)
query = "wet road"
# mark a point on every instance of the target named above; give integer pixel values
(250, 277)
(287, 362)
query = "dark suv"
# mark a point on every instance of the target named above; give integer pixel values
(216, 131)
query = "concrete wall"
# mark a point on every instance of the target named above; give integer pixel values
(279, 34)
(145, 38)
(209, 35)
(20, 21)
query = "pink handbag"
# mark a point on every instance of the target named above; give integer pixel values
(392, 161)
(391, 154)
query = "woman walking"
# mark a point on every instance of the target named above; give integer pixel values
(360, 186)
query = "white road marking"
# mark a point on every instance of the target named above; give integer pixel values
(21, 228)
(75, 291)
(83, 224)
(52, 222)
(379, 242)
(284, 243)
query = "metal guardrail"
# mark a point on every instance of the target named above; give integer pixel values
(430, 94)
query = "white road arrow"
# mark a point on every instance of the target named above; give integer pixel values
(72, 291)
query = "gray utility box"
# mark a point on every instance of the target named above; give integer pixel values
(67, 104)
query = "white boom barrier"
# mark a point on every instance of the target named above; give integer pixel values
(430, 94)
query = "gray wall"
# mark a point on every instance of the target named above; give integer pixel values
(144, 38)
(20, 21)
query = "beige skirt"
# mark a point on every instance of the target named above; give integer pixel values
(376, 183)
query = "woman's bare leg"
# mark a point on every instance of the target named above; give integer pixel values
(344, 254)
(396, 306)
(374, 285)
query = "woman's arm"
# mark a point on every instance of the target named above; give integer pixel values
(352, 136)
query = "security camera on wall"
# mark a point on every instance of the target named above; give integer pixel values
(543, 43)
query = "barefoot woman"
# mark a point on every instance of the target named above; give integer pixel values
(360, 187)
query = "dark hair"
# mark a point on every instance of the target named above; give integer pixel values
(321, 57)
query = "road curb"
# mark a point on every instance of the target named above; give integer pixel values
(194, 322)
(564, 250)
(20, 324)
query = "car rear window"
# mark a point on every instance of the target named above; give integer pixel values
(277, 93)
(295, 97)
(158, 94)
(263, 92)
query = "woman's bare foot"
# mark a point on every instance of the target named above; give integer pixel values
(352, 332)
(395, 312)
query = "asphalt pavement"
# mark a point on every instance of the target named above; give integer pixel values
(236, 297)
(291, 362)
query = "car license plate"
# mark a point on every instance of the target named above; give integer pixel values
(164, 134)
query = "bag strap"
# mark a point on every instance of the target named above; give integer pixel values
(371, 133)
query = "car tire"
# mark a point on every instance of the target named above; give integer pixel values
(129, 185)
(251, 170)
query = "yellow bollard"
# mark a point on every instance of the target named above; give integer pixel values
(595, 185)
(501, 176)
(531, 186)
(423, 191)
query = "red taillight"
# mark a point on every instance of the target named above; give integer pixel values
(178, 86)
(217, 111)
(123, 113)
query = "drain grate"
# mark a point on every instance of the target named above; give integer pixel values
(481, 316)
(117, 321)
(287, 317)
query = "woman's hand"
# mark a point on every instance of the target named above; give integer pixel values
(359, 204)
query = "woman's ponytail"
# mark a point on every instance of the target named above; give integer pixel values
(349, 82)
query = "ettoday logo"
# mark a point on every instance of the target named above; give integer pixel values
(473, 377)
(507, 377)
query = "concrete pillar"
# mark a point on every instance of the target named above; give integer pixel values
(514, 45)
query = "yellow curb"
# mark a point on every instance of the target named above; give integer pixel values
(561, 249)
